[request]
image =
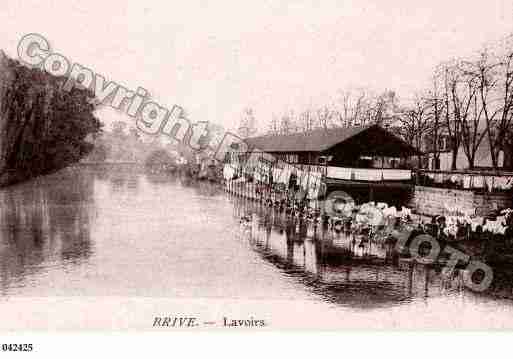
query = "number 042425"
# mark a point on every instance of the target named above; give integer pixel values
(17, 347)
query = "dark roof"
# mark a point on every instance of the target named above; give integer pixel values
(370, 139)
(313, 141)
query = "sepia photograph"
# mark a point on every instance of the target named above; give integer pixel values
(253, 166)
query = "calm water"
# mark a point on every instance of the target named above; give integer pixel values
(90, 232)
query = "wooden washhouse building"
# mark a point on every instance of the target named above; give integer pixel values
(368, 162)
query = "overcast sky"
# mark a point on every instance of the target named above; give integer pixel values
(215, 58)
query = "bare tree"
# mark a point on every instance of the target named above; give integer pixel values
(452, 104)
(324, 115)
(353, 110)
(415, 124)
(287, 124)
(495, 83)
(466, 110)
(274, 126)
(435, 109)
(508, 150)
(306, 121)
(247, 125)
(383, 108)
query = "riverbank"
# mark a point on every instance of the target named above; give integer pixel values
(486, 239)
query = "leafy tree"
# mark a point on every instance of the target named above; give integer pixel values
(44, 127)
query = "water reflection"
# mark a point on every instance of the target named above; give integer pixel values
(118, 231)
(45, 221)
(122, 178)
(339, 267)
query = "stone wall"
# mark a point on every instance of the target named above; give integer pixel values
(431, 201)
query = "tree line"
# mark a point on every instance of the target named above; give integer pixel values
(469, 103)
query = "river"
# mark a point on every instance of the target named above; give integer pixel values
(111, 247)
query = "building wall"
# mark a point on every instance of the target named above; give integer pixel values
(482, 156)
(483, 159)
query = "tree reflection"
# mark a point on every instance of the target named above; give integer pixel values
(47, 219)
(121, 177)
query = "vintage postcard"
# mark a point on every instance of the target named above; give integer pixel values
(255, 166)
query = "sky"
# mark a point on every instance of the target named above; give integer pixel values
(216, 58)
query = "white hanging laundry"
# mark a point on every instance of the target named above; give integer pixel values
(489, 183)
(284, 175)
(466, 182)
(478, 182)
(262, 172)
(508, 183)
(498, 182)
(228, 172)
(302, 179)
(367, 174)
(339, 173)
(314, 185)
(257, 175)
(277, 170)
